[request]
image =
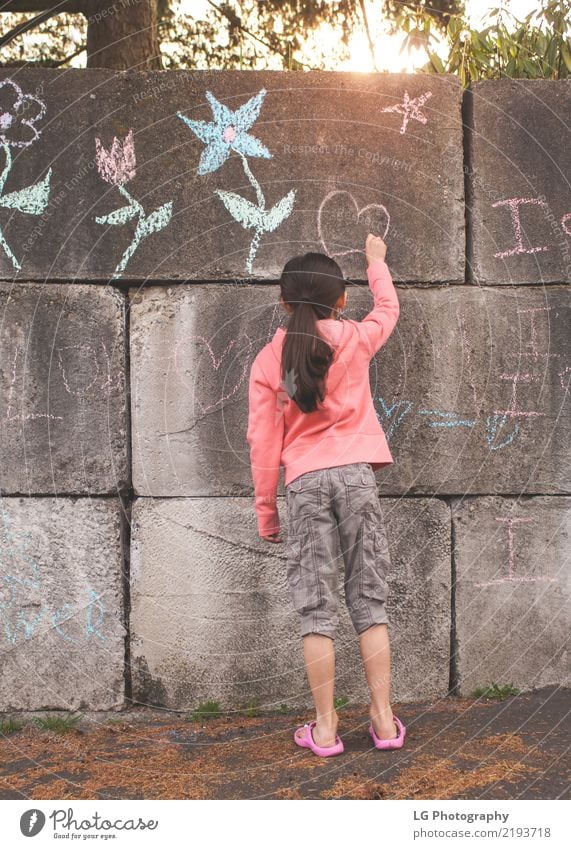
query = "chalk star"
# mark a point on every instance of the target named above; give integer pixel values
(410, 108)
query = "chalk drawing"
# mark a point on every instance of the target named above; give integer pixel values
(101, 380)
(72, 367)
(410, 108)
(510, 521)
(216, 362)
(321, 215)
(228, 132)
(516, 379)
(494, 425)
(450, 419)
(562, 375)
(117, 167)
(21, 607)
(514, 205)
(95, 616)
(20, 417)
(392, 414)
(19, 131)
(61, 615)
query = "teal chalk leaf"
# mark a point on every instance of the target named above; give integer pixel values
(243, 211)
(274, 216)
(157, 220)
(119, 216)
(32, 200)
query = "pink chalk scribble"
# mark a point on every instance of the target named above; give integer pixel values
(216, 362)
(410, 108)
(514, 205)
(516, 380)
(118, 164)
(510, 521)
(357, 212)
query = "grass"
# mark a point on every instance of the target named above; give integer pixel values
(59, 723)
(251, 707)
(10, 725)
(340, 702)
(494, 691)
(204, 711)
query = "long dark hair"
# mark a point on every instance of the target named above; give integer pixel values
(312, 283)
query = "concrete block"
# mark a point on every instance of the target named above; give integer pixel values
(513, 591)
(519, 167)
(62, 384)
(275, 163)
(62, 635)
(471, 388)
(211, 616)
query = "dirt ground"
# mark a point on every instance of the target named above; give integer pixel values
(517, 748)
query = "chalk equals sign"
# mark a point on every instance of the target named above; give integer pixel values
(452, 419)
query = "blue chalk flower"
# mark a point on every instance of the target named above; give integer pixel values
(227, 132)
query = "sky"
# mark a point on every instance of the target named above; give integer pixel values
(387, 47)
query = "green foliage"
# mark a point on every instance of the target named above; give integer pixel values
(10, 725)
(59, 723)
(204, 711)
(539, 47)
(494, 691)
(340, 702)
(251, 707)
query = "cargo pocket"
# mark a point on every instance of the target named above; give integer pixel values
(301, 573)
(376, 560)
(303, 495)
(361, 492)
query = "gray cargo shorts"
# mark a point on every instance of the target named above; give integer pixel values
(335, 513)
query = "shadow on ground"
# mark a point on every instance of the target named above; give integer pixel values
(455, 749)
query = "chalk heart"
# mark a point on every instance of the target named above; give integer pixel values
(340, 214)
(226, 360)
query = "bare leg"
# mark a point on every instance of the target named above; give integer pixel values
(319, 655)
(375, 651)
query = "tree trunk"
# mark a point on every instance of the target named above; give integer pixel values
(122, 34)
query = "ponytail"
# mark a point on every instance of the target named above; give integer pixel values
(312, 284)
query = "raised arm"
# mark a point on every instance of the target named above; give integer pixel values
(378, 325)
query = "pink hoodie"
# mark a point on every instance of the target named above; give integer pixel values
(345, 429)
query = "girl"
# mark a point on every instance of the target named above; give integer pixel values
(311, 411)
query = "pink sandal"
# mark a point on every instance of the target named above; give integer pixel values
(394, 743)
(307, 742)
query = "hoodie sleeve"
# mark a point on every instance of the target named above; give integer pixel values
(265, 438)
(378, 325)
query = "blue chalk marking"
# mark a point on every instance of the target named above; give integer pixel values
(228, 132)
(493, 426)
(29, 626)
(387, 412)
(32, 200)
(91, 627)
(455, 423)
(57, 617)
(147, 224)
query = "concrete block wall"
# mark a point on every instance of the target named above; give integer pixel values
(144, 220)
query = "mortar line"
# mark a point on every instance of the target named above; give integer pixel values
(467, 161)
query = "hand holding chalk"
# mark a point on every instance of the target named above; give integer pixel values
(375, 248)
